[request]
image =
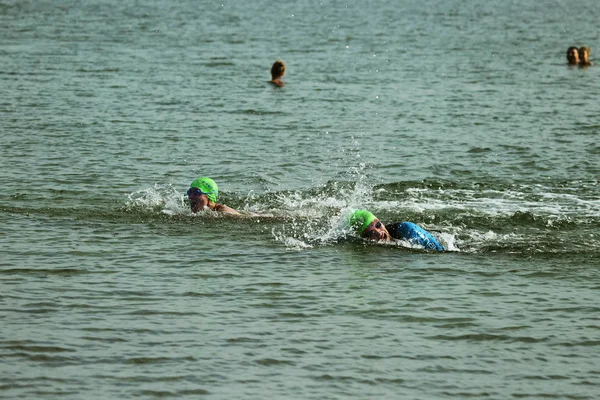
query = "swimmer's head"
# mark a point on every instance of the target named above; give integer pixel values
(584, 54)
(360, 220)
(278, 69)
(369, 226)
(572, 55)
(208, 187)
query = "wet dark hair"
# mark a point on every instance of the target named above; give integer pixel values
(572, 48)
(278, 69)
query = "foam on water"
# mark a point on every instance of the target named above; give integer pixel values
(462, 219)
(156, 198)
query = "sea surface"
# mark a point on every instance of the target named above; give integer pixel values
(459, 115)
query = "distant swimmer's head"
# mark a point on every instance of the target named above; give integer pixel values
(572, 55)
(368, 225)
(584, 55)
(277, 70)
(201, 191)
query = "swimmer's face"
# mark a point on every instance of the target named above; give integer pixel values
(572, 56)
(583, 55)
(376, 231)
(198, 200)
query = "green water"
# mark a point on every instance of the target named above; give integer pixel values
(460, 116)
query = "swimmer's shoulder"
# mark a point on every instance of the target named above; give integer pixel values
(277, 82)
(226, 209)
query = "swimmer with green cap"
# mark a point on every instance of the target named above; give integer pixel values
(370, 227)
(203, 194)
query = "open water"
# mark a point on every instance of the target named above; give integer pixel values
(459, 115)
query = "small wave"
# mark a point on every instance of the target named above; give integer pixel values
(176, 394)
(157, 360)
(258, 112)
(216, 64)
(98, 70)
(37, 348)
(480, 150)
(483, 337)
(43, 271)
(273, 362)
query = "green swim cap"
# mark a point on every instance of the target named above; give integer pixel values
(360, 220)
(208, 186)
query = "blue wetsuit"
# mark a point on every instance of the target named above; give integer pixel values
(413, 234)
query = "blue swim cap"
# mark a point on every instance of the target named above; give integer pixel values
(208, 187)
